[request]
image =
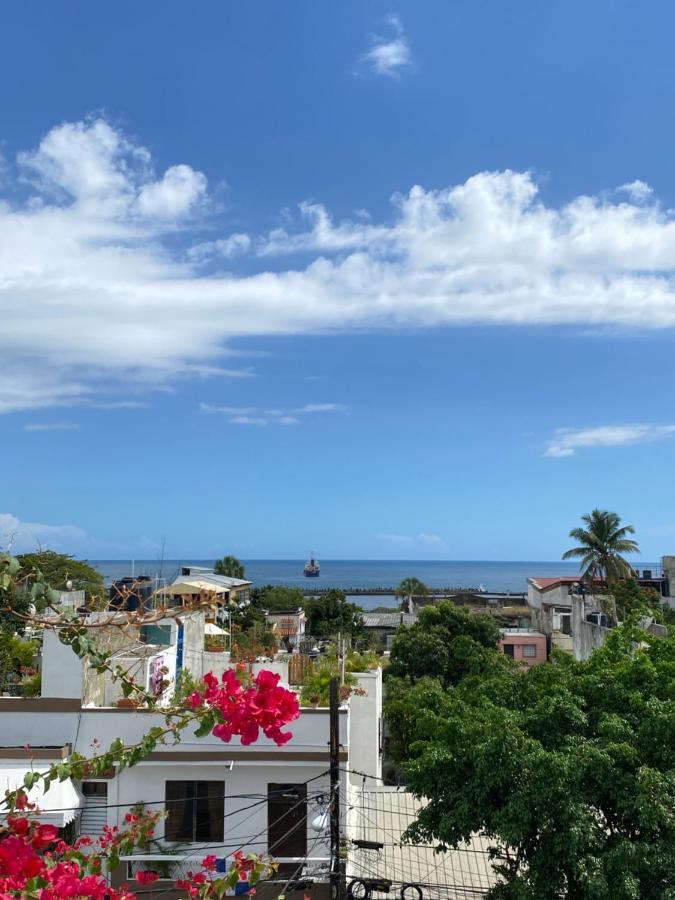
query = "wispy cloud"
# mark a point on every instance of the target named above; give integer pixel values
(320, 408)
(19, 536)
(389, 53)
(638, 191)
(254, 415)
(567, 441)
(50, 426)
(424, 538)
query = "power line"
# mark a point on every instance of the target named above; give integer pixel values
(260, 796)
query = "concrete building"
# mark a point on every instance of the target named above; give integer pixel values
(385, 624)
(290, 627)
(525, 646)
(218, 797)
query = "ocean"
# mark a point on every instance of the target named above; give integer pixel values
(365, 573)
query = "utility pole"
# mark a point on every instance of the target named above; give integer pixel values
(336, 880)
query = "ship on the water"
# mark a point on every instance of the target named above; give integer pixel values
(312, 568)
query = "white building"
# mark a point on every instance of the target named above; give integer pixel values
(219, 797)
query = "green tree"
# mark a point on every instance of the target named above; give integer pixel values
(447, 642)
(601, 545)
(229, 566)
(566, 768)
(62, 571)
(411, 587)
(331, 613)
(632, 601)
(278, 598)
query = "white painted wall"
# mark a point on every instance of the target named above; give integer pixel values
(365, 729)
(61, 668)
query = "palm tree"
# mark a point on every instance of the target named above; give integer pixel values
(601, 545)
(411, 587)
(230, 566)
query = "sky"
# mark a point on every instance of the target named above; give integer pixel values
(379, 280)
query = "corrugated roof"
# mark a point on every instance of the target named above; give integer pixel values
(383, 814)
(388, 620)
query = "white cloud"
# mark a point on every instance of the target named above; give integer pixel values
(321, 408)
(424, 538)
(252, 415)
(568, 440)
(234, 245)
(389, 54)
(21, 537)
(638, 191)
(51, 426)
(179, 190)
(95, 298)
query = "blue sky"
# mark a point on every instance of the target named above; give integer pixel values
(382, 280)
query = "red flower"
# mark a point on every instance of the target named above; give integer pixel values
(146, 877)
(44, 836)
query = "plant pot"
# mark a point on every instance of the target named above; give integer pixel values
(127, 703)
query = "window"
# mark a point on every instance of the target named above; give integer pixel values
(196, 810)
(529, 651)
(508, 649)
(156, 634)
(95, 810)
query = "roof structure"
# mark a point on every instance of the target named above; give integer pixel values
(382, 815)
(204, 582)
(388, 620)
(545, 584)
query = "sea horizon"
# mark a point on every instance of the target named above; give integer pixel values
(354, 574)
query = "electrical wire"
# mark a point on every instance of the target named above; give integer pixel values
(262, 797)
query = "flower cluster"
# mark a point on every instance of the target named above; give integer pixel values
(245, 870)
(246, 706)
(35, 862)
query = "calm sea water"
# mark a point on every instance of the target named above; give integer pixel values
(365, 573)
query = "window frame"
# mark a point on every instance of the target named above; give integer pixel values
(202, 829)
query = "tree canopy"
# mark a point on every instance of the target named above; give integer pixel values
(59, 568)
(331, 613)
(447, 642)
(412, 587)
(278, 598)
(229, 566)
(601, 545)
(567, 767)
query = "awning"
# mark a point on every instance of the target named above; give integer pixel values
(58, 806)
(210, 628)
(193, 587)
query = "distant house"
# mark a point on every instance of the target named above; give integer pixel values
(225, 590)
(289, 626)
(525, 646)
(384, 625)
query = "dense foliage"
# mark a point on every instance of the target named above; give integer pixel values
(331, 613)
(57, 569)
(447, 642)
(327, 614)
(568, 767)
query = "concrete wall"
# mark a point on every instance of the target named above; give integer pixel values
(61, 668)
(586, 636)
(365, 728)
